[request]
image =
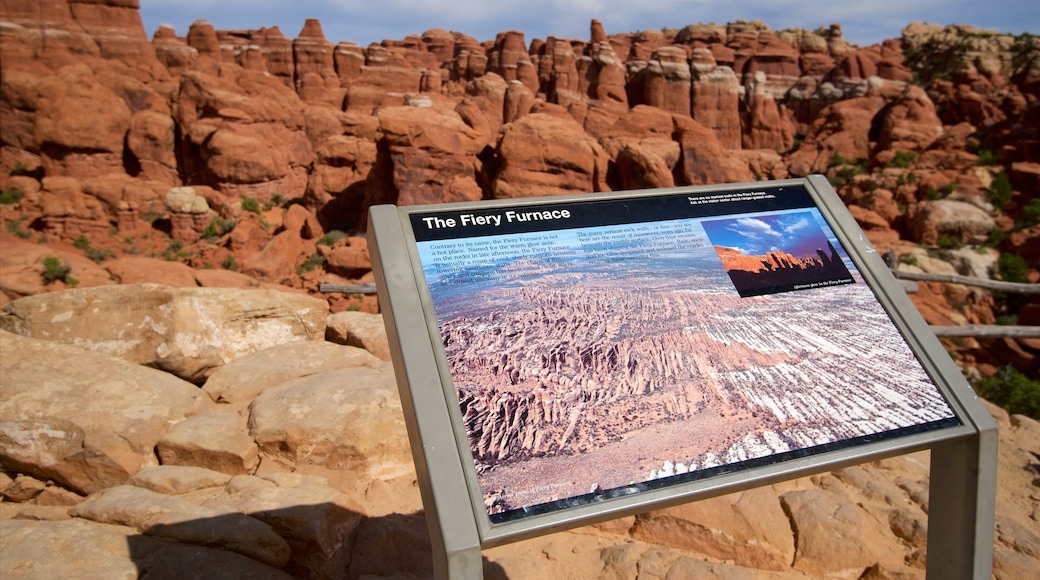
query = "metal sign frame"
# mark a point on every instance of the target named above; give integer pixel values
(963, 465)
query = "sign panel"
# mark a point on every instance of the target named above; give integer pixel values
(603, 348)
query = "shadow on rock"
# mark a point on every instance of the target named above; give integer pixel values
(309, 541)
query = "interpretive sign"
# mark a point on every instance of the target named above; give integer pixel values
(599, 355)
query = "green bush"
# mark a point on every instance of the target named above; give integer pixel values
(15, 227)
(217, 227)
(251, 205)
(1031, 212)
(54, 270)
(276, 199)
(311, 263)
(331, 238)
(1013, 268)
(230, 264)
(1013, 391)
(11, 196)
(98, 255)
(999, 192)
(908, 259)
(996, 237)
(987, 157)
(948, 242)
(902, 159)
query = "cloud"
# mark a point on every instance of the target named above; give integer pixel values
(802, 223)
(754, 228)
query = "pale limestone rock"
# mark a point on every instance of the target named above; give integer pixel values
(85, 420)
(185, 200)
(958, 221)
(359, 329)
(178, 479)
(241, 380)
(189, 332)
(349, 420)
(215, 440)
(160, 515)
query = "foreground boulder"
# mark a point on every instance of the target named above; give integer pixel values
(86, 420)
(189, 332)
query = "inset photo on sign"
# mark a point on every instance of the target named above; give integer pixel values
(776, 253)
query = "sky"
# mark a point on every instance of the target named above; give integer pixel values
(368, 21)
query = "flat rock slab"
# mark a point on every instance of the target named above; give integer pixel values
(160, 515)
(178, 479)
(215, 440)
(189, 332)
(241, 380)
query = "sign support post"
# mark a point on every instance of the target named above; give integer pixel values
(454, 538)
(961, 503)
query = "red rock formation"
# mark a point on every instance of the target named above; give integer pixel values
(537, 142)
(704, 160)
(252, 114)
(312, 54)
(716, 98)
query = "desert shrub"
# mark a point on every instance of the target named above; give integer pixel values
(276, 199)
(217, 227)
(251, 205)
(999, 192)
(54, 270)
(1031, 213)
(987, 157)
(98, 255)
(331, 238)
(1012, 268)
(902, 159)
(996, 237)
(230, 264)
(1013, 391)
(11, 196)
(311, 263)
(948, 242)
(15, 227)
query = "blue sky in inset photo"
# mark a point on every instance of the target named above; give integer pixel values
(795, 233)
(365, 22)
